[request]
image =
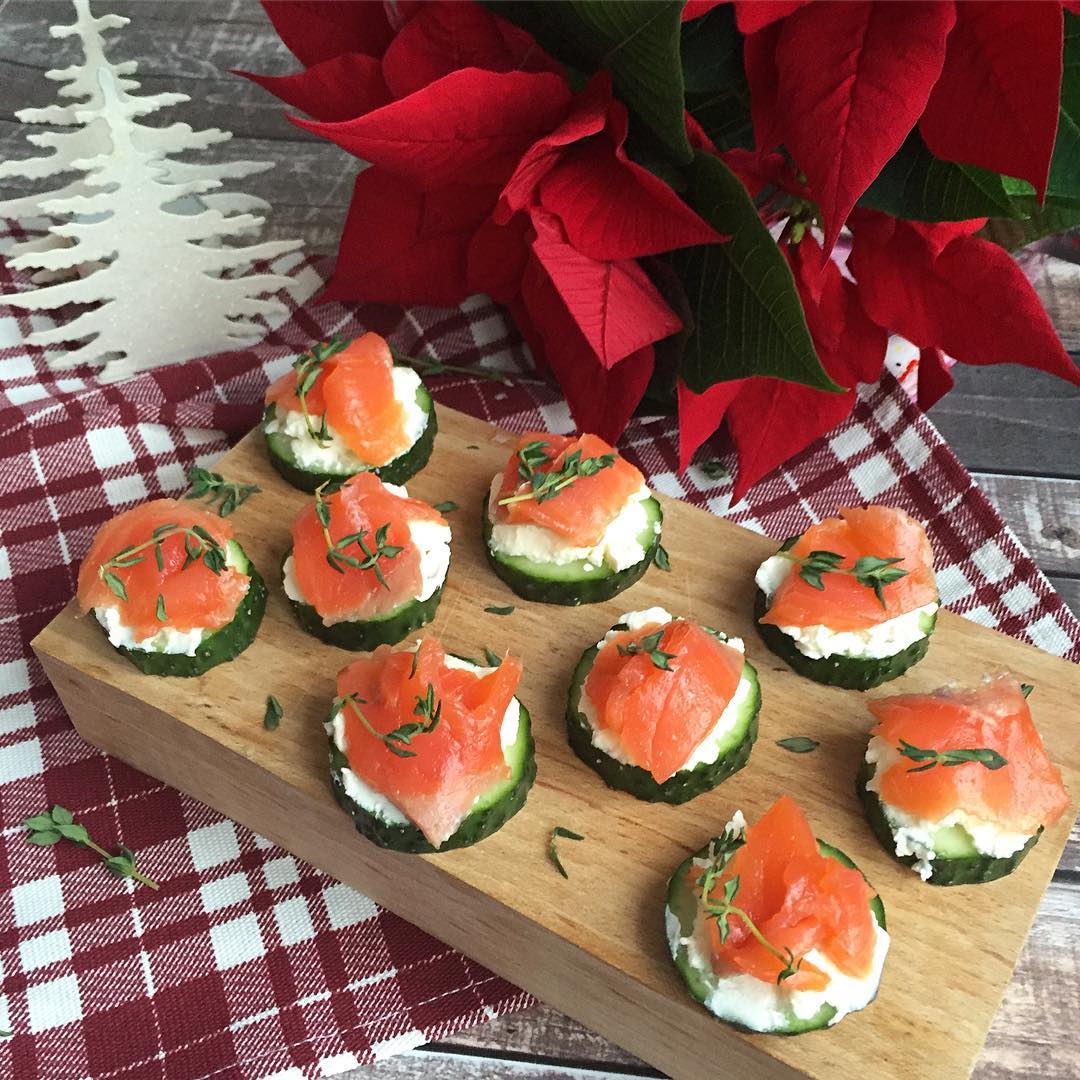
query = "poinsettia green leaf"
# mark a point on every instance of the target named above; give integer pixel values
(748, 319)
(1065, 164)
(636, 40)
(717, 95)
(1055, 216)
(920, 187)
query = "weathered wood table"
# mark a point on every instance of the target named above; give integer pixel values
(1015, 429)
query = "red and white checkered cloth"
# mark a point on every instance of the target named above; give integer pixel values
(247, 963)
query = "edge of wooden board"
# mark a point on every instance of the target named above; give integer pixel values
(667, 1028)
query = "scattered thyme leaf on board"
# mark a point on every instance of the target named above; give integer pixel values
(274, 713)
(227, 496)
(1026, 688)
(52, 826)
(493, 659)
(447, 507)
(494, 609)
(798, 744)
(662, 559)
(553, 849)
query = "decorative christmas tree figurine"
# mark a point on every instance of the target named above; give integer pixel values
(138, 233)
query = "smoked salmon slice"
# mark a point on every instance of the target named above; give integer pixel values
(1021, 796)
(844, 604)
(192, 597)
(361, 508)
(581, 511)
(798, 899)
(659, 715)
(355, 390)
(458, 760)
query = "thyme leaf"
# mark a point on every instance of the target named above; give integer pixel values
(226, 495)
(428, 366)
(337, 553)
(546, 485)
(1026, 688)
(553, 850)
(662, 559)
(447, 507)
(51, 826)
(725, 908)
(798, 744)
(493, 659)
(308, 367)
(198, 544)
(496, 610)
(983, 755)
(650, 646)
(870, 570)
(274, 713)
(398, 741)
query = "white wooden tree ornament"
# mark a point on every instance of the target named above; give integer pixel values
(137, 233)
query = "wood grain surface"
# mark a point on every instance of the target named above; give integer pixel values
(605, 960)
(1014, 428)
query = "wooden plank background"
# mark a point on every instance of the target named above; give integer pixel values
(1015, 429)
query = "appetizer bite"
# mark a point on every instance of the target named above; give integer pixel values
(956, 784)
(346, 408)
(774, 931)
(428, 751)
(663, 708)
(851, 602)
(367, 564)
(569, 521)
(172, 588)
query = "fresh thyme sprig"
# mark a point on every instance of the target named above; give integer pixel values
(723, 910)
(400, 739)
(50, 827)
(869, 570)
(226, 495)
(553, 849)
(308, 368)
(546, 485)
(649, 645)
(198, 544)
(983, 755)
(336, 550)
(427, 366)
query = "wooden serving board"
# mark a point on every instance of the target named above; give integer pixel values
(592, 945)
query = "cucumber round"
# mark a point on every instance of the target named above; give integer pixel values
(364, 635)
(682, 905)
(571, 583)
(398, 471)
(216, 648)
(684, 785)
(492, 811)
(956, 859)
(845, 672)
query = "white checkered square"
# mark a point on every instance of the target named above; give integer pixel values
(1020, 598)
(20, 760)
(156, 438)
(991, 561)
(953, 584)
(293, 921)
(34, 901)
(224, 892)
(850, 440)
(1048, 634)
(109, 447)
(213, 845)
(345, 906)
(51, 948)
(122, 490)
(236, 942)
(873, 476)
(280, 872)
(53, 1004)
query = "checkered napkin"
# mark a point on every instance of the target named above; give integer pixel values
(247, 963)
